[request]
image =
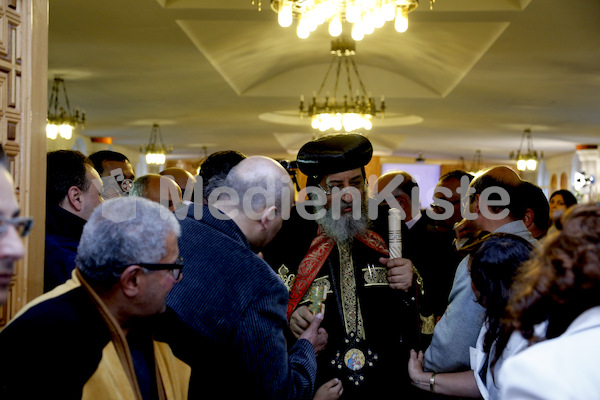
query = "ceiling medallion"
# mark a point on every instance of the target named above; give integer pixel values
(364, 15)
(351, 112)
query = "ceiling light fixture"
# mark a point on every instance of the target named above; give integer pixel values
(61, 120)
(156, 150)
(526, 160)
(364, 15)
(356, 111)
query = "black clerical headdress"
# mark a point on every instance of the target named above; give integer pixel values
(334, 153)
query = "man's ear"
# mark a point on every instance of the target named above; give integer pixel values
(75, 198)
(528, 217)
(130, 281)
(267, 216)
(475, 203)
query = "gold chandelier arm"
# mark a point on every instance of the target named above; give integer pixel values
(362, 85)
(349, 80)
(66, 98)
(325, 79)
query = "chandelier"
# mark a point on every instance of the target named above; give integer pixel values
(526, 160)
(364, 15)
(356, 110)
(156, 150)
(61, 120)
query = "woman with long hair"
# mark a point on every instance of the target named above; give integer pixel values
(494, 262)
(559, 202)
(562, 286)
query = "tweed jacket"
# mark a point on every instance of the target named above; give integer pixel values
(232, 298)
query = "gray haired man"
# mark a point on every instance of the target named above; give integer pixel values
(96, 337)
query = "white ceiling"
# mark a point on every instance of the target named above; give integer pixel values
(214, 73)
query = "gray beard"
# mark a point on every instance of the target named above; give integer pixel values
(344, 228)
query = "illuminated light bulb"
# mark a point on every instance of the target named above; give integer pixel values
(401, 23)
(51, 131)
(335, 26)
(327, 10)
(346, 122)
(389, 11)
(302, 31)
(378, 18)
(352, 14)
(337, 122)
(285, 16)
(65, 131)
(531, 164)
(521, 165)
(312, 21)
(368, 125)
(315, 122)
(357, 33)
(368, 24)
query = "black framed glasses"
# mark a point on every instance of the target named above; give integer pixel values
(175, 268)
(328, 189)
(22, 225)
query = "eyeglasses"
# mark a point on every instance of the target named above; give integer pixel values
(438, 209)
(328, 189)
(22, 225)
(175, 267)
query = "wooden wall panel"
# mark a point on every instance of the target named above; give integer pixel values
(23, 107)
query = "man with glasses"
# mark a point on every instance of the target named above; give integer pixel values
(329, 246)
(12, 229)
(95, 339)
(73, 191)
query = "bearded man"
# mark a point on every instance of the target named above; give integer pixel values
(372, 322)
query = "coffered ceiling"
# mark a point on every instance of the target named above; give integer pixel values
(468, 75)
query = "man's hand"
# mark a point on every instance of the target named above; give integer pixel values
(316, 335)
(300, 320)
(400, 272)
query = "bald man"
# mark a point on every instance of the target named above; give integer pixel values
(232, 297)
(160, 189)
(184, 179)
(495, 204)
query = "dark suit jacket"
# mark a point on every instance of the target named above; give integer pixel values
(232, 298)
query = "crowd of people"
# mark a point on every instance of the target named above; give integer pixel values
(491, 292)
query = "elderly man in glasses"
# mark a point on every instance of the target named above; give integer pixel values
(12, 229)
(96, 339)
